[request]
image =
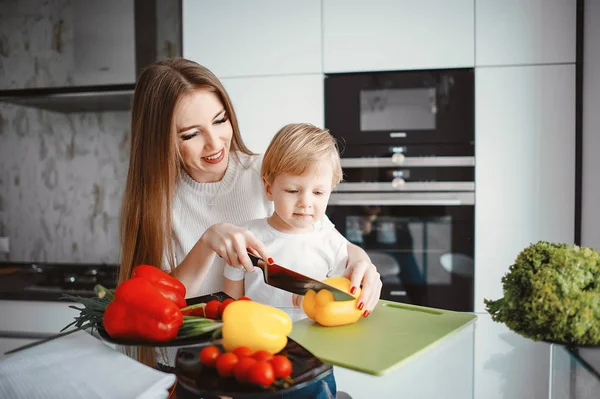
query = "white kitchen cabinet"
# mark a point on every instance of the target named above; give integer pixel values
(590, 223)
(397, 34)
(264, 104)
(517, 32)
(525, 166)
(250, 38)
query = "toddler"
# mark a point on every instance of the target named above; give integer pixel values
(300, 168)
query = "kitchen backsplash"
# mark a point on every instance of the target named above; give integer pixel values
(61, 175)
(61, 183)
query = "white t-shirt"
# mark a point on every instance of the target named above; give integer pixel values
(319, 254)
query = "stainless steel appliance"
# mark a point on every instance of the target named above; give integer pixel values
(408, 195)
(70, 278)
(431, 108)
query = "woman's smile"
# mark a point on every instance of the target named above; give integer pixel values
(215, 158)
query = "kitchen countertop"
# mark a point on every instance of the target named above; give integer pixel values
(484, 360)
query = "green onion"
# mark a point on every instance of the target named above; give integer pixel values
(92, 313)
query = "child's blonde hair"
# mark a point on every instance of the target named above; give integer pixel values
(296, 147)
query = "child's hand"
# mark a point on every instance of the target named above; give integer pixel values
(297, 300)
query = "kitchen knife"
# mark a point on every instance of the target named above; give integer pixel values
(291, 281)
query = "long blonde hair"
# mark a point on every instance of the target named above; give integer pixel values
(155, 164)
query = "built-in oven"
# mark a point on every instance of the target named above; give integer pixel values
(422, 244)
(408, 194)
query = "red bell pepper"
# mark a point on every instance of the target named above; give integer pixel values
(167, 285)
(140, 311)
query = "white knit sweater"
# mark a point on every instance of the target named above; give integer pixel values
(237, 198)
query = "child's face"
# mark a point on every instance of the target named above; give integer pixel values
(300, 201)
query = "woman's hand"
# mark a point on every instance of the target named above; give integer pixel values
(232, 242)
(365, 274)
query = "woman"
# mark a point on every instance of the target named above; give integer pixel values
(192, 180)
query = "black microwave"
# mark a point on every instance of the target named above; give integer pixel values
(417, 113)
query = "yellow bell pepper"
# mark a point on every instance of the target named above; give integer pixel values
(324, 310)
(255, 325)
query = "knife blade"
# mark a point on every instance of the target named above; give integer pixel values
(291, 281)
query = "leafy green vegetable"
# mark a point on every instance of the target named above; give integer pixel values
(552, 293)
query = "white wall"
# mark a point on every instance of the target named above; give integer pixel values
(590, 229)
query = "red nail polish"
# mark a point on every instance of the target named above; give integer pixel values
(366, 313)
(353, 290)
(270, 260)
(360, 306)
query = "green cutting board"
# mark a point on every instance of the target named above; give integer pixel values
(391, 334)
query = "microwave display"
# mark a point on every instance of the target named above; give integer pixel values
(402, 108)
(398, 109)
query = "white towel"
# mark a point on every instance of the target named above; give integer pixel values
(79, 366)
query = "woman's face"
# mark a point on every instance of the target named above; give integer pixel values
(204, 135)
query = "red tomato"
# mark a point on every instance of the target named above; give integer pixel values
(242, 367)
(244, 298)
(225, 364)
(262, 355)
(212, 309)
(209, 355)
(282, 367)
(243, 351)
(261, 374)
(224, 305)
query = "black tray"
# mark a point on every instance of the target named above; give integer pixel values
(177, 341)
(196, 380)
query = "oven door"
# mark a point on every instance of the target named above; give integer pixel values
(404, 107)
(421, 243)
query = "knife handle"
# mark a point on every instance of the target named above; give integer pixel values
(255, 259)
